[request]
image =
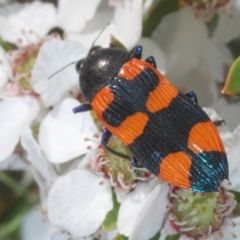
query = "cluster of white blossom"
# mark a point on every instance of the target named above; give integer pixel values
(79, 181)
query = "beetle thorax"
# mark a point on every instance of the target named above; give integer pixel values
(99, 68)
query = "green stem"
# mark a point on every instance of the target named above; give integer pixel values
(11, 183)
(15, 218)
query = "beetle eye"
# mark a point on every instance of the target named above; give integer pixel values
(79, 65)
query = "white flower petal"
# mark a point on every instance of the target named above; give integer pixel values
(130, 25)
(62, 133)
(42, 171)
(121, 193)
(79, 202)
(236, 230)
(34, 228)
(168, 229)
(111, 235)
(228, 111)
(198, 80)
(89, 160)
(53, 56)
(14, 162)
(74, 14)
(228, 26)
(181, 35)
(35, 156)
(28, 24)
(142, 212)
(59, 235)
(93, 29)
(216, 58)
(233, 158)
(150, 48)
(127, 22)
(228, 230)
(99, 234)
(16, 112)
(5, 68)
(11, 8)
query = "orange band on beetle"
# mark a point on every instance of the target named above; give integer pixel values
(204, 137)
(161, 96)
(131, 128)
(132, 68)
(175, 168)
(101, 101)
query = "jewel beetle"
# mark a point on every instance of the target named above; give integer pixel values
(166, 130)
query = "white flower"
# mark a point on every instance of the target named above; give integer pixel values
(5, 68)
(54, 55)
(79, 202)
(28, 25)
(73, 15)
(42, 170)
(14, 162)
(126, 29)
(193, 61)
(228, 24)
(63, 134)
(34, 228)
(143, 210)
(75, 18)
(16, 113)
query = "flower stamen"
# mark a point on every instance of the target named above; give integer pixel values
(112, 182)
(181, 223)
(198, 215)
(121, 182)
(187, 229)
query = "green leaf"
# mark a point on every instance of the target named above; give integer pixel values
(120, 237)
(110, 222)
(114, 41)
(234, 46)
(6, 46)
(212, 24)
(156, 237)
(237, 196)
(14, 218)
(173, 237)
(232, 84)
(160, 9)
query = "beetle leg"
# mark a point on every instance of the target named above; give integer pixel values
(152, 61)
(219, 123)
(192, 95)
(105, 139)
(135, 163)
(136, 52)
(82, 108)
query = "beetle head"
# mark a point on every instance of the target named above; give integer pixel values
(99, 67)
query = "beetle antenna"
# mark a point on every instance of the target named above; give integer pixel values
(62, 69)
(100, 34)
(77, 61)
